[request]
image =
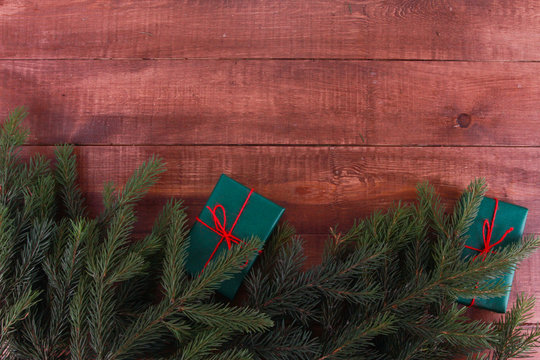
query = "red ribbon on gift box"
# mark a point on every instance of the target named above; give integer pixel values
(220, 227)
(487, 229)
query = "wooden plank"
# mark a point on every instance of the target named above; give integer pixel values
(319, 186)
(294, 178)
(359, 29)
(322, 186)
(276, 102)
(369, 178)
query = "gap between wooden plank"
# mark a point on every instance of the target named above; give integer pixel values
(271, 59)
(297, 145)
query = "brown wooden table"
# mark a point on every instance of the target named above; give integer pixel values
(331, 108)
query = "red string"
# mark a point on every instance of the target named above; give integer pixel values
(487, 229)
(220, 228)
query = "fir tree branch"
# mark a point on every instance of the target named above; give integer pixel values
(78, 311)
(15, 312)
(232, 354)
(204, 344)
(514, 341)
(174, 277)
(284, 342)
(429, 203)
(63, 277)
(66, 177)
(230, 318)
(467, 207)
(221, 268)
(452, 327)
(145, 331)
(356, 338)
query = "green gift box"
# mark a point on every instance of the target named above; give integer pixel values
(496, 220)
(232, 213)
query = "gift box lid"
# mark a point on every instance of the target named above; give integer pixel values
(507, 216)
(258, 217)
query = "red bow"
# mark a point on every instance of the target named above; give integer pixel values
(220, 227)
(487, 229)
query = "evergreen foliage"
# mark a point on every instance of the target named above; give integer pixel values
(75, 287)
(78, 287)
(387, 289)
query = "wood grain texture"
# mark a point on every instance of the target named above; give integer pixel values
(359, 29)
(322, 186)
(276, 102)
(331, 108)
(369, 178)
(295, 178)
(319, 186)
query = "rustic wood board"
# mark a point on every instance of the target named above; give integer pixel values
(332, 108)
(359, 29)
(173, 102)
(321, 186)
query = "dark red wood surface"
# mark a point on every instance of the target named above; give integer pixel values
(316, 102)
(286, 29)
(331, 108)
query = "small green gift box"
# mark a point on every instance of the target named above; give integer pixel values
(232, 213)
(498, 224)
